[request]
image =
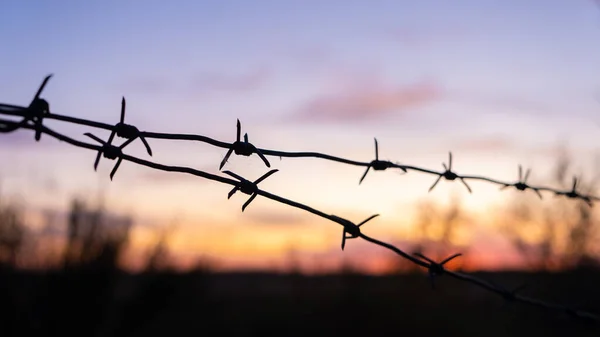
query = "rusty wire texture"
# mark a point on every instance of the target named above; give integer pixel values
(32, 117)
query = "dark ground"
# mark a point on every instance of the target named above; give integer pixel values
(111, 303)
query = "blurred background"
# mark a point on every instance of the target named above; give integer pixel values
(500, 84)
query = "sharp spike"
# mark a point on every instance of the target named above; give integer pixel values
(227, 155)
(263, 158)
(246, 137)
(94, 138)
(38, 130)
(97, 161)
(248, 202)
(450, 160)
(143, 139)
(448, 259)
(368, 219)
(41, 88)
(114, 170)
(376, 150)
(239, 130)
(435, 183)
(364, 175)
(466, 185)
(265, 176)
(232, 192)
(343, 239)
(123, 109)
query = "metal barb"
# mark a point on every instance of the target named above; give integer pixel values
(379, 165)
(128, 131)
(521, 184)
(35, 112)
(242, 148)
(351, 230)
(436, 269)
(109, 151)
(573, 194)
(449, 175)
(247, 187)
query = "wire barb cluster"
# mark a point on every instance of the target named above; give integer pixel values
(244, 148)
(128, 131)
(35, 112)
(436, 269)
(246, 186)
(379, 165)
(351, 231)
(39, 109)
(521, 184)
(449, 175)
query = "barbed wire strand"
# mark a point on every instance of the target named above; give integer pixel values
(448, 174)
(39, 109)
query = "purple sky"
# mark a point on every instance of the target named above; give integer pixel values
(497, 82)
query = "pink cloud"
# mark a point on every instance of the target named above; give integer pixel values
(509, 102)
(487, 144)
(498, 143)
(374, 102)
(202, 82)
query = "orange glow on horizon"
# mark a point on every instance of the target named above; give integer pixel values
(265, 236)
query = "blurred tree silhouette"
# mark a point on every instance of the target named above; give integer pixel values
(556, 233)
(437, 228)
(94, 236)
(159, 257)
(12, 232)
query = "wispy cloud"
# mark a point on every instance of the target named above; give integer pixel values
(201, 82)
(214, 81)
(369, 102)
(507, 102)
(487, 144)
(499, 143)
(314, 59)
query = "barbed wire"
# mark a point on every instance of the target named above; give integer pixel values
(39, 109)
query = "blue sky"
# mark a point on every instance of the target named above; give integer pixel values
(497, 82)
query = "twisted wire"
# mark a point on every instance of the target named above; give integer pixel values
(39, 109)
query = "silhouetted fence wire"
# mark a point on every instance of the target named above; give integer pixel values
(39, 109)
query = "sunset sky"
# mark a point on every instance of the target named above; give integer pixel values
(498, 83)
